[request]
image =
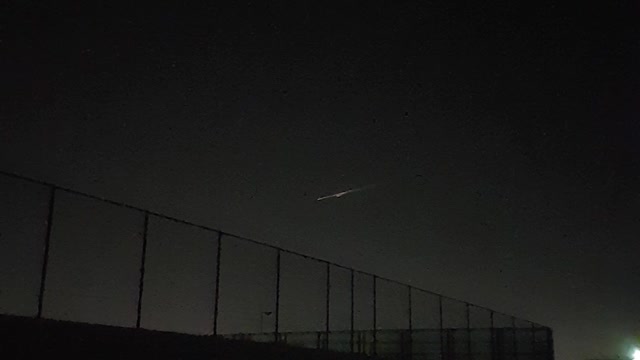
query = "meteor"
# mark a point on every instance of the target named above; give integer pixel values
(343, 193)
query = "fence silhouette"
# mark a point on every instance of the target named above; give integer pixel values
(69, 255)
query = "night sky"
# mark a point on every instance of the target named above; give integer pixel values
(502, 138)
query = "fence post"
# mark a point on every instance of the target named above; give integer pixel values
(142, 264)
(515, 337)
(217, 299)
(375, 317)
(441, 327)
(533, 339)
(277, 320)
(45, 256)
(352, 320)
(550, 353)
(468, 314)
(410, 341)
(328, 308)
(493, 336)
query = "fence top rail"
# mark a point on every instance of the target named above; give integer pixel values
(388, 331)
(242, 238)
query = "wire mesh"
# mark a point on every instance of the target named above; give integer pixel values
(94, 262)
(110, 263)
(363, 302)
(179, 295)
(426, 322)
(340, 309)
(480, 333)
(22, 227)
(303, 287)
(247, 301)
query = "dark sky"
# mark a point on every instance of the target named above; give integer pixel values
(502, 138)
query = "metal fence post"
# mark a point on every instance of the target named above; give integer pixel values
(328, 307)
(375, 317)
(352, 320)
(410, 322)
(550, 349)
(533, 339)
(493, 336)
(515, 337)
(45, 256)
(142, 264)
(468, 315)
(277, 320)
(441, 327)
(217, 299)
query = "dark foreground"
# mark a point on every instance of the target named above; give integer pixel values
(27, 338)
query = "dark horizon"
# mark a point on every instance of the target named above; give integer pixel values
(502, 139)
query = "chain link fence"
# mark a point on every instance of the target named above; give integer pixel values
(67, 255)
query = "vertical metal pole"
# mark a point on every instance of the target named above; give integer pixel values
(515, 339)
(493, 336)
(352, 325)
(468, 314)
(550, 349)
(410, 322)
(45, 256)
(441, 327)
(375, 317)
(277, 325)
(142, 263)
(410, 307)
(217, 299)
(328, 308)
(533, 340)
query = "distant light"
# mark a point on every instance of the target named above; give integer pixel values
(636, 354)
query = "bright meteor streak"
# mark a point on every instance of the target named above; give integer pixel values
(343, 193)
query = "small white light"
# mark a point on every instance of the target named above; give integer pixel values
(636, 354)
